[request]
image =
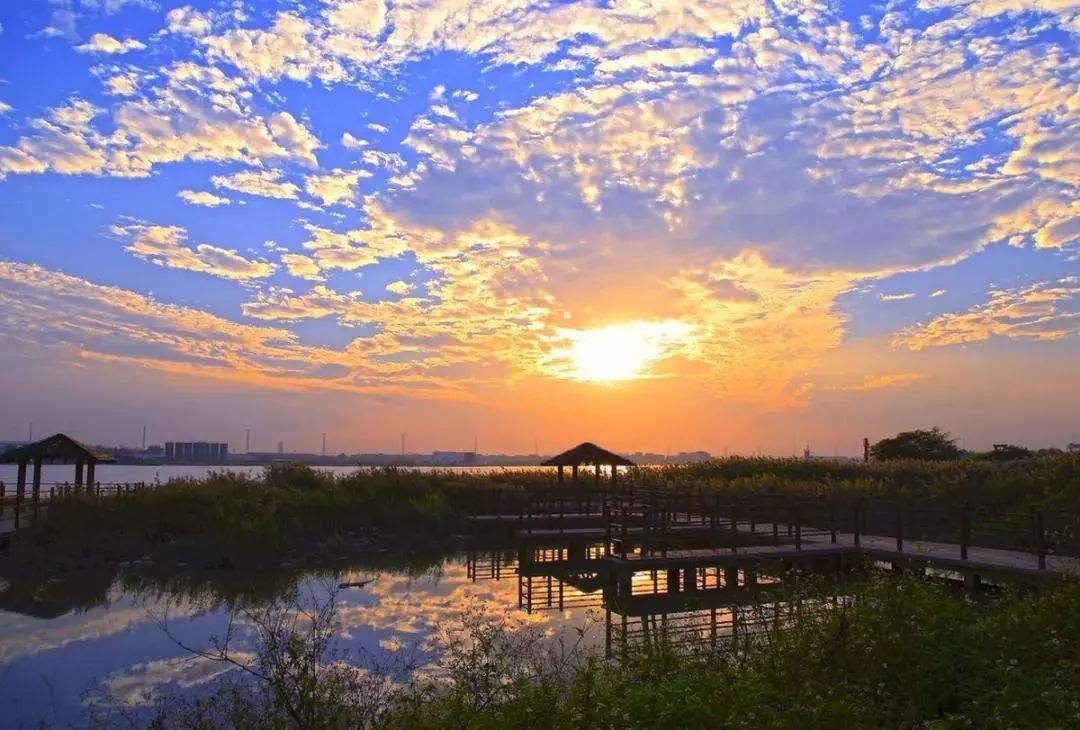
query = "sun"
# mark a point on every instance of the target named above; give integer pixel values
(617, 352)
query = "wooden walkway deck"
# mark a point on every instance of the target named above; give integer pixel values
(818, 543)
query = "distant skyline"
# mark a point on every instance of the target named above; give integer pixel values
(658, 226)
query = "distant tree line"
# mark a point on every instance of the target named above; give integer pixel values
(939, 445)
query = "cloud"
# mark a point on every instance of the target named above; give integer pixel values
(337, 187)
(303, 267)
(401, 288)
(166, 246)
(1043, 311)
(89, 322)
(353, 143)
(104, 43)
(198, 114)
(186, 20)
(896, 297)
(938, 292)
(881, 382)
(203, 198)
(263, 183)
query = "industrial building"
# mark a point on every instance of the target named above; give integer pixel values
(196, 451)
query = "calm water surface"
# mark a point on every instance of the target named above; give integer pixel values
(111, 473)
(106, 646)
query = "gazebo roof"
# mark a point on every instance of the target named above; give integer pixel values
(59, 447)
(587, 453)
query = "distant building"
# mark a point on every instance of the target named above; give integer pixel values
(447, 458)
(196, 451)
(1074, 447)
(281, 447)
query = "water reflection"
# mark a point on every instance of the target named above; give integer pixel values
(76, 647)
(108, 642)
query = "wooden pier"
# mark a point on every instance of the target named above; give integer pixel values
(646, 529)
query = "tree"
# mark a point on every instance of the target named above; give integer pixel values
(932, 445)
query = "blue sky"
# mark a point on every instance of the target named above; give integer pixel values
(381, 217)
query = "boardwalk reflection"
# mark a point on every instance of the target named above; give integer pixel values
(706, 605)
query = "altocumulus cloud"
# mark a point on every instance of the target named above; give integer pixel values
(733, 166)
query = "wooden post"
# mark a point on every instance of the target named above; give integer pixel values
(900, 528)
(734, 531)
(1040, 540)
(965, 531)
(573, 473)
(20, 490)
(614, 473)
(560, 474)
(37, 481)
(607, 633)
(798, 528)
(598, 475)
(90, 476)
(855, 520)
(689, 579)
(78, 475)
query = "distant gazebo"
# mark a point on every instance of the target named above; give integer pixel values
(58, 448)
(588, 453)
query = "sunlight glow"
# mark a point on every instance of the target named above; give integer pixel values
(619, 351)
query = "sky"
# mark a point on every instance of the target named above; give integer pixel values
(734, 226)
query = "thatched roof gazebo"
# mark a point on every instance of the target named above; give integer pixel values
(57, 448)
(588, 453)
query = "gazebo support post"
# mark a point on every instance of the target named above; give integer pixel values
(20, 490)
(37, 481)
(597, 475)
(560, 474)
(573, 473)
(614, 473)
(90, 476)
(78, 475)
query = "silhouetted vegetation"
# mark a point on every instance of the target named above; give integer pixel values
(904, 653)
(932, 445)
(297, 514)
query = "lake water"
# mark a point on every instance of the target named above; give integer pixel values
(107, 644)
(85, 648)
(125, 473)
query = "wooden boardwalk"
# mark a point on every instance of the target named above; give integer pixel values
(818, 543)
(734, 542)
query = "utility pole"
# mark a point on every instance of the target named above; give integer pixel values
(31, 438)
(144, 438)
(247, 440)
(324, 443)
(403, 446)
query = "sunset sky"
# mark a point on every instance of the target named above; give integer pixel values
(730, 225)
